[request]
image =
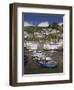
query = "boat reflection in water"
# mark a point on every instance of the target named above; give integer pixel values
(41, 59)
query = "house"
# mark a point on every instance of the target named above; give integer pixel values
(53, 31)
(26, 35)
(38, 35)
(51, 46)
(31, 45)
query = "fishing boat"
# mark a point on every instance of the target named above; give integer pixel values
(48, 64)
(42, 60)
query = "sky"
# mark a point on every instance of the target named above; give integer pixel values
(35, 19)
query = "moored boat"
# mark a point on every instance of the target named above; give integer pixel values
(42, 60)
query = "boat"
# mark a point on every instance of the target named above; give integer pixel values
(48, 64)
(42, 60)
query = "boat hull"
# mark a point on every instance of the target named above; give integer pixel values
(49, 64)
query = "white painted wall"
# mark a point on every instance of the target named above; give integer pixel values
(4, 46)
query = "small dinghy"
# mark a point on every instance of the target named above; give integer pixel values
(48, 64)
(40, 59)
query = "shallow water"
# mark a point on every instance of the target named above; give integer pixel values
(33, 68)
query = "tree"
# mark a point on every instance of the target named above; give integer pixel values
(55, 26)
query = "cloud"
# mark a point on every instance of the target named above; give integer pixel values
(43, 24)
(26, 24)
(60, 24)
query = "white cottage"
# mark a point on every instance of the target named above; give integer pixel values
(31, 45)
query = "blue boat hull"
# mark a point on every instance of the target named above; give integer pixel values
(47, 65)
